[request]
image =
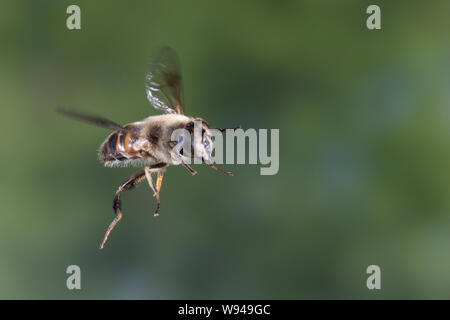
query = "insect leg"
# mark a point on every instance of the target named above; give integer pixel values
(228, 173)
(148, 174)
(158, 187)
(128, 184)
(192, 171)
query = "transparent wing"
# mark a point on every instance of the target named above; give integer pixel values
(163, 82)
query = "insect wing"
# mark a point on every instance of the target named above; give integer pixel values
(93, 119)
(163, 83)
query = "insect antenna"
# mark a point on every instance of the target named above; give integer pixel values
(224, 129)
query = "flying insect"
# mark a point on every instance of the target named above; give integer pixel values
(149, 143)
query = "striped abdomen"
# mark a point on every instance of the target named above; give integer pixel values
(119, 146)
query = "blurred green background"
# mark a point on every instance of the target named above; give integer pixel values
(364, 151)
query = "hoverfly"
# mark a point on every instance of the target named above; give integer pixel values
(148, 143)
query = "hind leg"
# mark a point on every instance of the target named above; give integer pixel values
(128, 184)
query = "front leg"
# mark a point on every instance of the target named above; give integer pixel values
(228, 173)
(192, 171)
(175, 154)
